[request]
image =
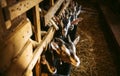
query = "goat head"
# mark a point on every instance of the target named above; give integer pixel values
(66, 50)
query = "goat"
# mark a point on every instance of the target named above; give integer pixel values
(70, 23)
(66, 52)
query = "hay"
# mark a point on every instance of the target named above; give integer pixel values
(93, 51)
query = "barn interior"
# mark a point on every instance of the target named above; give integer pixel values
(59, 37)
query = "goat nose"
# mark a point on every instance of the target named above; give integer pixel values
(78, 63)
(75, 61)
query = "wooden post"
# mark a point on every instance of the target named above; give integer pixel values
(37, 34)
(37, 23)
(51, 2)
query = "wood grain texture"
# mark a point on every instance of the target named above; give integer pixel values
(21, 7)
(21, 61)
(13, 43)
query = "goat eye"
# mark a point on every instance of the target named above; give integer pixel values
(63, 53)
(71, 27)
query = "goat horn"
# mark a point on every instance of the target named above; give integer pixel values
(69, 39)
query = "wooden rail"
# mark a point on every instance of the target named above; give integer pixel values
(39, 49)
(52, 11)
(65, 6)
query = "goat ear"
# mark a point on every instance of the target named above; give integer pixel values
(54, 45)
(77, 21)
(76, 40)
(60, 40)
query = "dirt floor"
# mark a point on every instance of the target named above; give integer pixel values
(93, 50)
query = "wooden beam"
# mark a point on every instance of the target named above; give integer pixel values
(37, 34)
(52, 11)
(38, 51)
(37, 23)
(23, 29)
(21, 7)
